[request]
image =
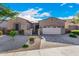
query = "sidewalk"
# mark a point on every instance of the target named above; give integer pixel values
(59, 51)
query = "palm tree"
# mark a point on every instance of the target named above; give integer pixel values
(6, 12)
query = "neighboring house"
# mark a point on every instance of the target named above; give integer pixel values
(52, 26)
(70, 25)
(74, 27)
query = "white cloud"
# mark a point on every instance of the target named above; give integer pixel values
(45, 14)
(33, 14)
(71, 6)
(69, 17)
(77, 3)
(30, 18)
(63, 4)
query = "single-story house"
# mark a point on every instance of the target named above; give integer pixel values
(18, 24)
(47, 26)
(52, 26)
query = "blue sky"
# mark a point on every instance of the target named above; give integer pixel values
(59, 10)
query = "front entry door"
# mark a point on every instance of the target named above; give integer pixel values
(17, 27)
(35, 29)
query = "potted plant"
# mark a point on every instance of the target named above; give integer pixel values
(31, 40)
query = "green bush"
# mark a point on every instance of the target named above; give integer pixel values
(73, 35)
(75, 32)
(1, 33)
(12, 33)
(25, 46)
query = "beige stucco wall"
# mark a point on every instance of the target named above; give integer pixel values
(28, 32)
(24, 25)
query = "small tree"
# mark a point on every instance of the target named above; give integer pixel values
(12, 34)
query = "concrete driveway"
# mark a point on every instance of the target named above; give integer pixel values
(62, 39)
(7, 44)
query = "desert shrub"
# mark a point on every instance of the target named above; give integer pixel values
(73, 35)
(25, 46)
(67, 31)
(21, 32)
(31, 39)
(1, 33)
(75, 32)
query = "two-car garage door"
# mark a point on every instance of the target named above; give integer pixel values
(53, 31)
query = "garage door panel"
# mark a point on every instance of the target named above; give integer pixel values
(51, 30)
